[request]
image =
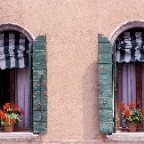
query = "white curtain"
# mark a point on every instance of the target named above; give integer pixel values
(142, 86)
(127, 85)
(22, 93)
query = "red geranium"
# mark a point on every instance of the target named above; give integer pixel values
(130, 114)
(142, 111)
(131, 106)
(16, 107)
(123, 107)
(13, 120)
(127, 113)
(22, 112)
(6, 106)
(10, 114)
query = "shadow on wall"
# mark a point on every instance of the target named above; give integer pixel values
(90, 103)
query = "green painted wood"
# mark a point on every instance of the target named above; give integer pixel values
(102, 39)
(105, 90)
(105, 102)
(105, 58)
(37, 74)
(105, 79)
(104, 68)
(36, 84)
(106, 127)
(38, 126)
(39, 66)
(39, 56)
(39, 85)
(39, 116)
(105, 115)
(105, 85)
(37, 100)
(104, 47)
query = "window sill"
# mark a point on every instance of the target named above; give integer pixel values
(17, 135)
(128, 136)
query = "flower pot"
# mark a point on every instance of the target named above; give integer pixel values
(9, 128)
(132, 127)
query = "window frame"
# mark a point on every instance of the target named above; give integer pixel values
(38, 76)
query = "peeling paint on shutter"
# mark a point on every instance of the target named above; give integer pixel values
(105, 97)
(39, 85)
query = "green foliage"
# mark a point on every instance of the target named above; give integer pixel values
(130, 114)
(135, 116)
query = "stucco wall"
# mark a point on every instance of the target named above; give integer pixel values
(71, 27)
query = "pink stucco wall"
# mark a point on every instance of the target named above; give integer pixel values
(71, 27)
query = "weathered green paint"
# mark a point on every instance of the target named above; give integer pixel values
(102, 39)
(38, 100)
(38, 66)
(105, 102)
(39, 116)
(105, 86)
(106, 127)
(104, 79)
(105, 58)
(37, 74)
(105, 115)
(39, 57)
(104, 68)
(105, 90)
(104, 47)
(39, 126)
(39, 85)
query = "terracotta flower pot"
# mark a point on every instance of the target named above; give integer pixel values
(132, 127)
(9, 128)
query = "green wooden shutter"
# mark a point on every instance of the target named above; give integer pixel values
(105, 85)
(39, 85)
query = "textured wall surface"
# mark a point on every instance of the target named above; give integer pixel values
(71, 27)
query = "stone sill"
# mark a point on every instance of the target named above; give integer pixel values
(17, 135)
(126, 136)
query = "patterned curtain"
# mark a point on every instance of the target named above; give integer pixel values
(130, 47)
(22, 94)
(127, 85)
(13, 50)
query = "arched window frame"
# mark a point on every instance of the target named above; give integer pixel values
(38, 76)
(107, 63)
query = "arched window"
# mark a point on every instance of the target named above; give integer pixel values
(120, 75)
(130, 72)
(23, 76)
(15, 72)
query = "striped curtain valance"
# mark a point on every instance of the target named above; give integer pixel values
(13, 50)
(130, 47)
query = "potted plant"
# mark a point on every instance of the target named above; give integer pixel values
(132, 116)
(9, 115)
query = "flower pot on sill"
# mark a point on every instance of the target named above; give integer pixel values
(132, 127)
(9, 128)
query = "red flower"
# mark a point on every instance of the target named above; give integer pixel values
(6, 106)
(143, 111)
(131, 105)
(127, 113)
(7, 120)
(123, 107)
(13, 120)
(15, 107)
(2, 114)
(21, 112)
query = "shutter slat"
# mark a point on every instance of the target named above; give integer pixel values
(105, 85)
(39, 85)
